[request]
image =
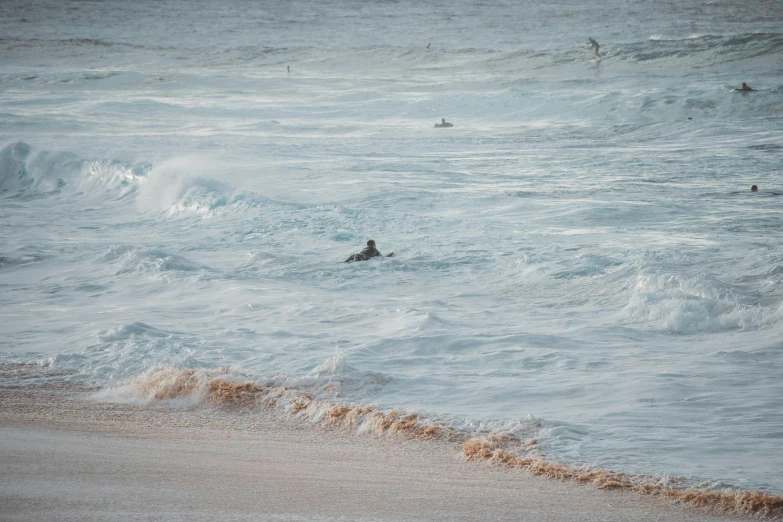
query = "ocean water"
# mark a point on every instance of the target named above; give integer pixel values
(581, 249)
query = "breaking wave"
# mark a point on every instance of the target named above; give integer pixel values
(180, 186)
(189, 186)
(29, 174)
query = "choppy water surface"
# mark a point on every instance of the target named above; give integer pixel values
(582, 247)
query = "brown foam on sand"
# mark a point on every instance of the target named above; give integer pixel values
(222, 388)
(217, 388)
(491, 449)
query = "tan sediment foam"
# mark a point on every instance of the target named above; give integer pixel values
(186, 465)
(491, 450)
(213, 388)
(216, 388)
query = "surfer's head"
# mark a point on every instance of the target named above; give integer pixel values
(744, 85)
(371, 243)
(754, 188)
(443, 120)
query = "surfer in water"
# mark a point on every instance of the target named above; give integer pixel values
(369, 252)
(443, 123)
(745, 87)
(754, 188)
(595, 45)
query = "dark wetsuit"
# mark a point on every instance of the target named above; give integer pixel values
(595, 45)
(364, 255)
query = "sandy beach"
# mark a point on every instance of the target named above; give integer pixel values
(65, 456)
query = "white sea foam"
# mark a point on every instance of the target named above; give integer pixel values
(175, 185)
(695, 304)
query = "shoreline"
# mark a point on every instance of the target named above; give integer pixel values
(68, 457)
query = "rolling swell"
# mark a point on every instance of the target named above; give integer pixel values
(674, 53)
(708, 49)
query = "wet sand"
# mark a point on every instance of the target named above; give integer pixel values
(66, 457)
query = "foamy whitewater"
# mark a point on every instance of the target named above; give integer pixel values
(579, 259)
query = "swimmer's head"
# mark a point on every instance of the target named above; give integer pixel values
(371, 242)
(443, 120)
(744, 84)
(754, 188)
